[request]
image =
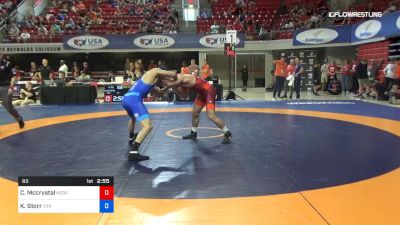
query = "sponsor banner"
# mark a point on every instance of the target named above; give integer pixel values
(388, 26)
(385, 27)
(31, 48)
(339, 34)
(148, 41)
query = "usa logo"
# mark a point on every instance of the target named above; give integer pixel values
(79, 42)
(146, 41)
(212, 41)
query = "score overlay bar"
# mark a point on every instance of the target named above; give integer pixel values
(65, 195)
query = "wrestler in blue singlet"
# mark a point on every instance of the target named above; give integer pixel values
(133, 100)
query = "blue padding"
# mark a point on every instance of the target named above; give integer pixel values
(143, 117)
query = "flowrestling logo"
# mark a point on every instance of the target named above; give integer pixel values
(317, 36)
(355, 14)
(215, 41)
(368, 29)
(88, 42)
(154, 41)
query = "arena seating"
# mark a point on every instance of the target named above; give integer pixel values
(108, 26)
(268, 15)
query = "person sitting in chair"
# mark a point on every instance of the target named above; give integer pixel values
(27, 96)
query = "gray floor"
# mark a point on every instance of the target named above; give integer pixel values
(261, 94)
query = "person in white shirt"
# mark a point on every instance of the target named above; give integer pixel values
(324, 75)
(215, 28)
(391, 8)
(390, 74)
(25, 36)
(14, 31)
(42, 30)
(63, 68)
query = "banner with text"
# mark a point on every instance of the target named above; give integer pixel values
(148, 41)
(385, 27)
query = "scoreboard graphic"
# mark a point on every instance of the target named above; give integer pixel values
(114, 93)
(65, 195)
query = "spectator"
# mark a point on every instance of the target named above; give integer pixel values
(362, 76)
(332, 70)
(25, 36)
(354, 86)
(245, 76)
(130, 72)
(144, 26)
(289, 77)
(313, 21)
(280, 76)
(263, 34)
(324, 75)
(27, 96)
(34, 72)
(334, 87)
(63, 68)
(138, 69)
(70, 25)
(215, 28)
(173, 29)
(205, 70)
(390, 74)
(316, 78)
(56, 29)
(83, 77)
(346, 77)
(193, 66)
(42, 30)
(298, 72)
(204, 14)
(185, 68)
(85, 70)
(151, 65)
(391, 8)
(162, 65)
(45, 73)
(394, 94)
(60, 80)
(373, 71)
(75, 70)
(14, 31)
(81, 7)
(127, 63)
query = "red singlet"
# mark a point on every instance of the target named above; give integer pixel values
(205, 94)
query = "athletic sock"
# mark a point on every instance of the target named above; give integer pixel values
(225, 129)
(194, 129)
(131, 135)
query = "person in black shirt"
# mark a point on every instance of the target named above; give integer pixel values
(316, 78)
(245, 76)
(45, 73)
(7, 82)
(362, 76)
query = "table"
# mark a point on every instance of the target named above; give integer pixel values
(80, 94)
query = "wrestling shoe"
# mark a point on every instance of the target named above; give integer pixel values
(21, 123)
(227, 137)
(192, 135)
(132, 139)
(135, 156)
